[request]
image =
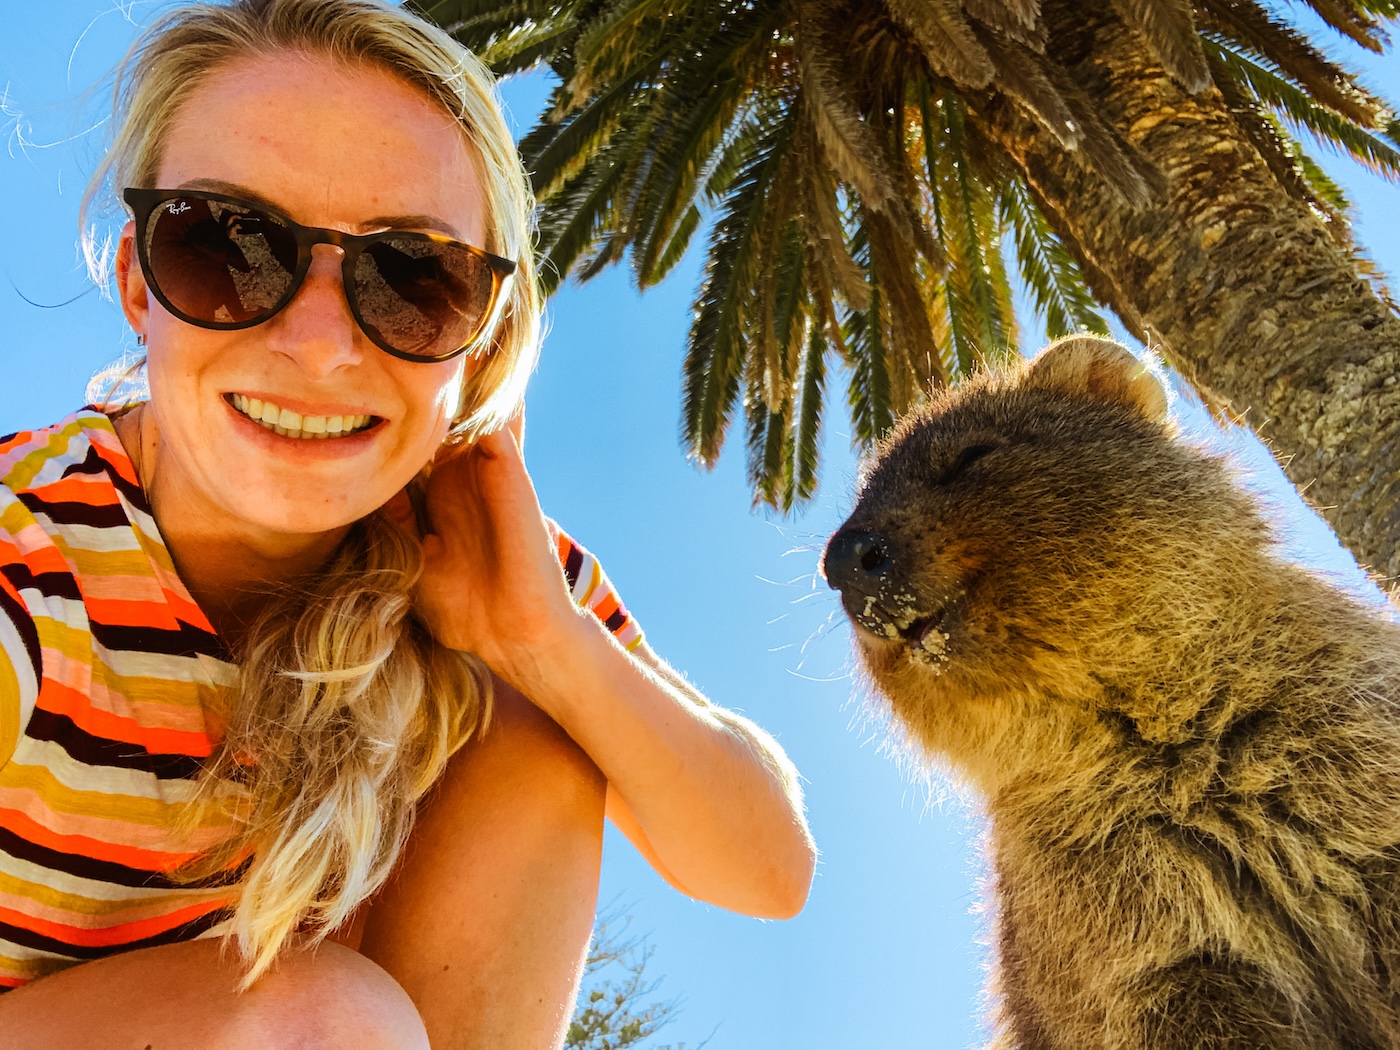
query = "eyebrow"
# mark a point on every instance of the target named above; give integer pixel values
(378, 222)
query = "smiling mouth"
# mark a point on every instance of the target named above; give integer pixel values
(286, 423)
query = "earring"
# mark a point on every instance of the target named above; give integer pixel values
(140, 338)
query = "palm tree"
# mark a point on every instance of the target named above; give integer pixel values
(871, 164)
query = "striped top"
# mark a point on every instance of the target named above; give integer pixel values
(109, 674)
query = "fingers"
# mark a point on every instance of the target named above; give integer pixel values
(480, 494)
(500, 442)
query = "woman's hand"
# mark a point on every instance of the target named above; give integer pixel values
(491, 580)
(706, 795)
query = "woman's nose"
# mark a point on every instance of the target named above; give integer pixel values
(317, 328)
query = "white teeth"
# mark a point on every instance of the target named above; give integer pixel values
(286, 423)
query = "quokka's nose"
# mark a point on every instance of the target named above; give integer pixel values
(856, 560)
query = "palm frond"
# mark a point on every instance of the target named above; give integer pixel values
(699, 99)
(1294, 105)
(716, 345)
(851, 148)
(893, 123)
(677, 246)
(523, 54)
(768, 443)
(623, 35)
(1356, 20)
(569, 225)
(1323, 185)
(1047, 268)
(1170, 29)
(678, 161)
(823, 226)
(868, 389)
(555, 153)
(979, 320)
(807, 440)
(1250, 28)
(1281, 152)
(950, 47)
(777, 253)
(475, 23)
(1021, 75)
(1018, 20)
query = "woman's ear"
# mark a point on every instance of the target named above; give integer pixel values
(131, 282)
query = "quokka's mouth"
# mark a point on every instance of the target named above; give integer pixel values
(917, 632)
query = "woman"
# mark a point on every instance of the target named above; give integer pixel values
(233, 649)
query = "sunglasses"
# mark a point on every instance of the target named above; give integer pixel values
(224, 263)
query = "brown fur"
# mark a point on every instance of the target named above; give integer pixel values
(1189, 748)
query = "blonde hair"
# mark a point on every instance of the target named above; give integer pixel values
(345, 708)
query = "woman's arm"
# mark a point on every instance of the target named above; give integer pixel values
(705, 795)
(708, 797)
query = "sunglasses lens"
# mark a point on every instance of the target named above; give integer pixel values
(219, 262)
(420, 296)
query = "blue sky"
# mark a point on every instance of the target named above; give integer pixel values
(888, 953)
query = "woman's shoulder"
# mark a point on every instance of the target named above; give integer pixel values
(80, 446)
(67, 492)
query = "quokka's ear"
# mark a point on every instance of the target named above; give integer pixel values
(1090, 366)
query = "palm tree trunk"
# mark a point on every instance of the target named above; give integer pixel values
(1240, 286)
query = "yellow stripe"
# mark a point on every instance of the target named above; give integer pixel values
(9, 708)
(594, 581)
(173, 693)
(15, 518)
(97, 907)
(66, 641)
(28, 467)
(33, 968)
(97, 803)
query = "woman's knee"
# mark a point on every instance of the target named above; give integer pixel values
(186, 995)
(329, 997)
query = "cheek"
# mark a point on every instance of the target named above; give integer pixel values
(437, 392)
(173, 366)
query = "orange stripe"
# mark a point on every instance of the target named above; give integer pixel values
(185, 609)
(116, 458)
(102, 913)
(115, 827)
(111, 935)
(21, 438)
(77, 488)
(607, 605)
(93, 849)
(42, 559)
(129, 612)
(57, 698)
